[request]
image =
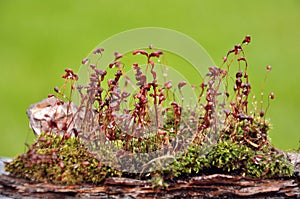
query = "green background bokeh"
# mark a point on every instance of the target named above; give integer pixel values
(39, 39)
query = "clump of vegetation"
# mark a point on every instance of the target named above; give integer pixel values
(149, 132)
(231, 158)
(61, 161)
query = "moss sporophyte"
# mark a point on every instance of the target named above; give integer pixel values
(114, 131)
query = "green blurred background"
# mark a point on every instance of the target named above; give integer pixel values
(39, 39)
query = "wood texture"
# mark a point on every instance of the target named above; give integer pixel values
(211, 186)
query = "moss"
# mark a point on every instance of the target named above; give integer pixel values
(62, 161)
(268, 163)
(231, 158)
(66, 161)
(242, 147)
(237, 152)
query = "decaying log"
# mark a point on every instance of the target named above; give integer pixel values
(211, 186)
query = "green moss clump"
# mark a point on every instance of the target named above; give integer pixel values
(267, 163)
(234, 153)
(58, 160)
(231, 158)
(55, 159)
